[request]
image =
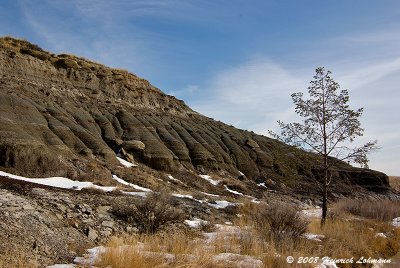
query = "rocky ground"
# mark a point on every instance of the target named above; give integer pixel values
(53, 225)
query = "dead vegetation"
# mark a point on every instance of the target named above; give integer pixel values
(381, 210)
(394, 182)
(263, 235)
(151, 214)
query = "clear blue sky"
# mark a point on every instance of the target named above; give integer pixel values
(236, 61)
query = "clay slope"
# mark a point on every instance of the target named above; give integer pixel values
(67, 116)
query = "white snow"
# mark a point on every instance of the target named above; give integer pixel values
(173, 179)
(125, 163)
(237, 260)
(262, 184)
(187, 196)
(312, 213)
(183, 196)
(59, 182)
(221, 204)
(66, 183)
(396, 222)
(89, 259)
(212, 195)
(137, 187)
(314, 237)
(380, 235)
(232, 191)
(241, 173)
(195, 223)
(209, 179)
(141, 194)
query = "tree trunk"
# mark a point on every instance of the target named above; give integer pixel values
(325, 192)
(324, 202)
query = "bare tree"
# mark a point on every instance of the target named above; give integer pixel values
(328, 128)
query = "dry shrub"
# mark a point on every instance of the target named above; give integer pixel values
(382, 210)
(279, 221)
(167, 250)
(150, 214)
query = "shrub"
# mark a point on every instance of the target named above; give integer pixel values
(150, 214)
(35, 53)
(279, 222)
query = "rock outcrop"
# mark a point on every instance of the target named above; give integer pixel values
(67, 116)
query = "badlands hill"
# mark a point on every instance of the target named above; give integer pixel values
(62, 115)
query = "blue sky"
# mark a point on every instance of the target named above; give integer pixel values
(236, 61)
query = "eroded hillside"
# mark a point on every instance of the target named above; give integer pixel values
(62, 115)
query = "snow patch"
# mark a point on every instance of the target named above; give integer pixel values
(137, 187)
(380, 235)
(262, 184)
(125, 163)
(237, 260)
(195, 223)
(141, 194)
(209, 179)
(173, 179)
(91, 256)
(187, 196)
(312, 213)
(59, 182)
(314, 237)
(396, 222)
(222, 204)
(212, 195)
(232, 191)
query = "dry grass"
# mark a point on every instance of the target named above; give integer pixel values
(382, 210)
(343, 237)
(356, 238)
(17, 260)
(394, 182)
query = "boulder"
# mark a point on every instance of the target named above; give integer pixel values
(133, 145)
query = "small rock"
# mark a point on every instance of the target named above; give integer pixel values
(28, 207)
(106, 233)
(109, 224)
(252, 144)
(87, 220)
(103, 209)
(47, 250)
(131, 229)
(92, 234)
(62, 208)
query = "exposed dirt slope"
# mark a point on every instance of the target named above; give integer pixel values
(67, 116)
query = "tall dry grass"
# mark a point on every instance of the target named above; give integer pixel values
(381, 210)
(13, 259)
(249, 238)
(394, 182)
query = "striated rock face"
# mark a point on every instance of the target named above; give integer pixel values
(66, 116)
